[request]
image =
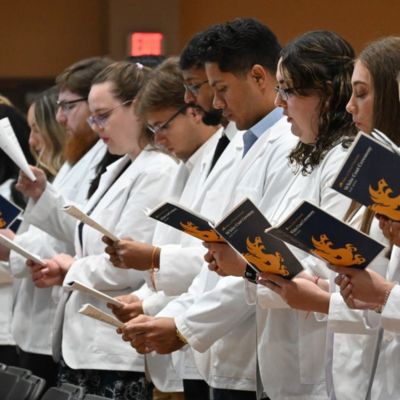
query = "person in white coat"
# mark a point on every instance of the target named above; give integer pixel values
(33, 309)
(178, 127)
(8, 178)
(313, 99)
(362, 315)
(247, 52)
(92, 354)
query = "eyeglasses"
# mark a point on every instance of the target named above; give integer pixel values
(100, 120)
(285, 92)
(194, 89)
(68, 105)
(160, 127)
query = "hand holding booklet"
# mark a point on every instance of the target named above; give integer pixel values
(75, 212)
(370, 174)
(100, 315)
(242, 228)
(10, 244)
(319, 233)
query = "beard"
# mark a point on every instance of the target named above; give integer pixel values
(78, 144)
(212, 117)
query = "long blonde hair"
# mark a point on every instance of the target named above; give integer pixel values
(54, 135)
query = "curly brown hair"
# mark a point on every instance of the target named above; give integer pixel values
(321, 62)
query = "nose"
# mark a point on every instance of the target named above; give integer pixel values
(350, 106)
(189, 97)
(218, 103)
(32, 140)
(61, 117)
(160, 138)
(279, 102)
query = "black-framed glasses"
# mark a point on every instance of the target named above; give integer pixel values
(100, 120)
(195, 88)
(68, 105)
(160, 127)
(285, 93)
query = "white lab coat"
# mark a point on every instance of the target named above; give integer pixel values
(355, 341)
(86, 343)
(214, 316)
(184, 259)
(47, 214)
(291, 343)
(34, 308)
(178, 252)
(391, 312)
(182, 255)
(6, 286)
(351, 343)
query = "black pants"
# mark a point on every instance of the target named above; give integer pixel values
(40, 365)
(9, 355)
(227, 394)
(196, 389)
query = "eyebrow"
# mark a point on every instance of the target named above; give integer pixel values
(355, 83)
(213, 83)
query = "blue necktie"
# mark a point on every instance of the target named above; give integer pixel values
(249, 139)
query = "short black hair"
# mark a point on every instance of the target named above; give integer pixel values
(191, 54)
(239, 44)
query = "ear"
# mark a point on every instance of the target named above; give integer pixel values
(259, 74)
(195, 113)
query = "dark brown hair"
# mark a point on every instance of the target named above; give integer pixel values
(321, 62)
(78, 77)
(382, 59)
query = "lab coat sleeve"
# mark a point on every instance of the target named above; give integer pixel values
(132, 222)
(343, 319)
(39, 243)
(181, 303)
(215, 313)
(47, 214)
(391, 311)
(178, 267)
(152, 302)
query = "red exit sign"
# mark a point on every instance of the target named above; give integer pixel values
(146, 43)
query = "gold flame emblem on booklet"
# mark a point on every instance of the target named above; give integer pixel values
(342, 256)
(383, 202)
(207, 236)
(3, 223)
(263, 261)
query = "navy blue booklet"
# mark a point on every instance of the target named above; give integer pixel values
(8, 212)
(371, 175)
(244, 229)
(185, 220)
(319, 233)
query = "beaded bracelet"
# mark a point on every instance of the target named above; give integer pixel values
(379, 309)
(181, 337)
(154, 268)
